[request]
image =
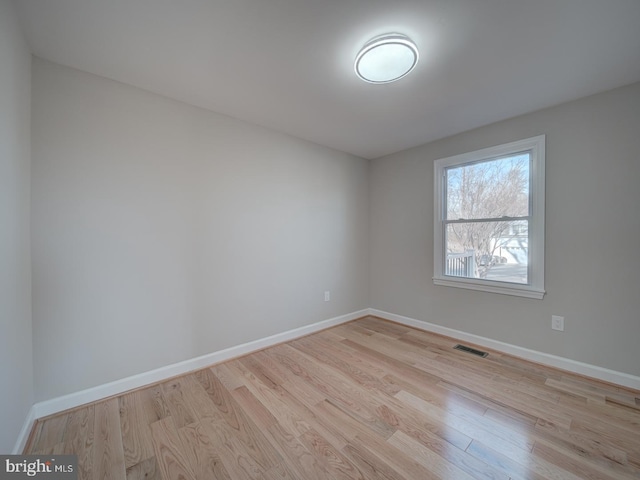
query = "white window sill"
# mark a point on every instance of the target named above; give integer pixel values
(492, 287)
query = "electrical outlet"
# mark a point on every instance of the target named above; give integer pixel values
(327, 296)
(557, 323)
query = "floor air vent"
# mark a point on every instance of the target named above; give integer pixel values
(464, 348)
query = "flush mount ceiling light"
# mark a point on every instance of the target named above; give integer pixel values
(386, 58)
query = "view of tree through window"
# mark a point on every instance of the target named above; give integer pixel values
(487, 211)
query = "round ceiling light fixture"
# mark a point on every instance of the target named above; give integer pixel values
(386, 58)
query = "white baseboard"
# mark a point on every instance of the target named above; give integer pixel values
(24, 433)
(593, 371)
(72, 400)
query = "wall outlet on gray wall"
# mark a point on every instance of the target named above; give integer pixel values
(557, 323)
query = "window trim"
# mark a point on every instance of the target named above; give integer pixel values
(535, 289)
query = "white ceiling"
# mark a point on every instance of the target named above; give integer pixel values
(288, 64)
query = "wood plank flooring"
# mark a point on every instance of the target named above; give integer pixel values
(369, 399)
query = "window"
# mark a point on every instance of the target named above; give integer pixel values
(489, 219)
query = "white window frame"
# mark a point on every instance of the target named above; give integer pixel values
(535, 287)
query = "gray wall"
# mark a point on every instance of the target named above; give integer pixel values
(16, 367)
(592, 232)
(162, 231)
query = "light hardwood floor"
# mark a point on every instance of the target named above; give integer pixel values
(366, 400)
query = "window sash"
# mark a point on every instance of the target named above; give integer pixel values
(480, 220)
(496, 158)
(501, 246)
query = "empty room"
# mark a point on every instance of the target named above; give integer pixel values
(280, 239)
